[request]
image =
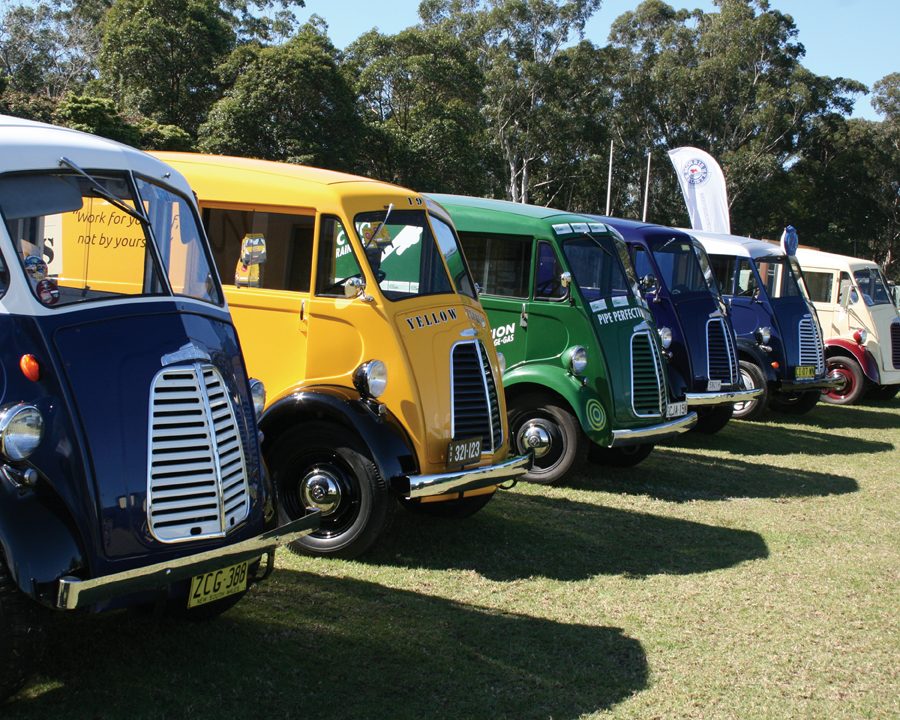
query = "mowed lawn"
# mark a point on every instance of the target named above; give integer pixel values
(753, 574)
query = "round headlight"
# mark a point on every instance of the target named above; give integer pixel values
(578, 360)
(665, 337)
(860, 336)
(370, 378)
(21, 429)
(764, 334)
(501, 361)
(258, 395)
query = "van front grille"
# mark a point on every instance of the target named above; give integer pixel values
(648, 393)
(722, 361)
(476, 405)
(812, 351)
(197, 473)
(895, 344)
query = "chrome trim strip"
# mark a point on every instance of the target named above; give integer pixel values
(721, 398)
(75, 593)
(653, 432)
(468, 479)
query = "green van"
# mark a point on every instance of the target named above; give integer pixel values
(585, 371)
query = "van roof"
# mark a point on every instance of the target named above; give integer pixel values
(537, 212)
(822, 259)
(29, 145)
(268, 182)
(722, 244)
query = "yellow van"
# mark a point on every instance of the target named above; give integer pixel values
(355, 307)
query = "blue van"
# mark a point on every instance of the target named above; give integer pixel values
(778, 335)
(130, 466)
(677, 282)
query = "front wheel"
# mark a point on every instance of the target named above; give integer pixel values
(538, 424)
(623, 457)
(752, 377)
(20, 635)
(711, 420)
(326, 467)
(795, 403)
(851, 385)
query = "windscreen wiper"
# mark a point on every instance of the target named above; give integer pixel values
(106, 194)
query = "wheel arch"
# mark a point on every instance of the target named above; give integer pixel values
(865, 360)
(750, 352)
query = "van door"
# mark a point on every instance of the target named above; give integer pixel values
(265, 256)
(551, 312)
(501, 266)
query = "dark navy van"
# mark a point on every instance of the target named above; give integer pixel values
(778, 335)
(678, 284)
(130, 468)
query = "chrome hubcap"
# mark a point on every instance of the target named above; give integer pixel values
(536, 437)
(320, 489)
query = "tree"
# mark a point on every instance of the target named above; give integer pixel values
(289, 102)
(158, 57)
(419, 94)
(515, 43)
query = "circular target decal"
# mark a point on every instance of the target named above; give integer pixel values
(47, 292)
(596, 415)
(36, 268)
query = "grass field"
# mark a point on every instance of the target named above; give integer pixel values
(754, 574)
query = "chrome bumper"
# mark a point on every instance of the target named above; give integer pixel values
(721, 398)
(826, 383)
(653, 433)
(76, 593)
(416, 486)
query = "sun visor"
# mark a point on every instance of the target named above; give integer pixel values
(23, 196)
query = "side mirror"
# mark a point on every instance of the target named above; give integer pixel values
(355, 287)
(565, 279)
(648, 283)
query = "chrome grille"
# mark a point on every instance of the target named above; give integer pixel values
(895, 344)
(648, 393)
(476, 406)
(721, 358)
(812, 351)
(197, 475)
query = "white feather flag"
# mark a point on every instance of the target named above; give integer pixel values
(703, 186)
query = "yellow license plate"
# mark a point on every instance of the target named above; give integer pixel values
(218, 584)
(805, 371)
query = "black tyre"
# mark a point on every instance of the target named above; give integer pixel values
(852, 381)
(794, 403)
(711, 420)
(21, 635)
(326, 466)
(882, 393)
(449, 509)
(537, 423)
(752, 377)
(623, 457)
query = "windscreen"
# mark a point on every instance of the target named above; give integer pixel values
(778, 277)
(872, 286)
(81, 239)
(678, 265)
(454, 257)
(402, 253)
(597, 267)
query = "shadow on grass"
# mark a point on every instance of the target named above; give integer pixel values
(301, 645)
(749, 438)
(680, 477)
(519, 536)
(827, 416)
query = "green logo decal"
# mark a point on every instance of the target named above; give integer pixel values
(596, 415)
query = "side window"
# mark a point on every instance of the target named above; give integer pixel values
(286, 240)
(820, 285)
(337, 262)
(746, 283)
(642, 264)
(723, 269)
(547, 285)
(501, 264)
(848, 292)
